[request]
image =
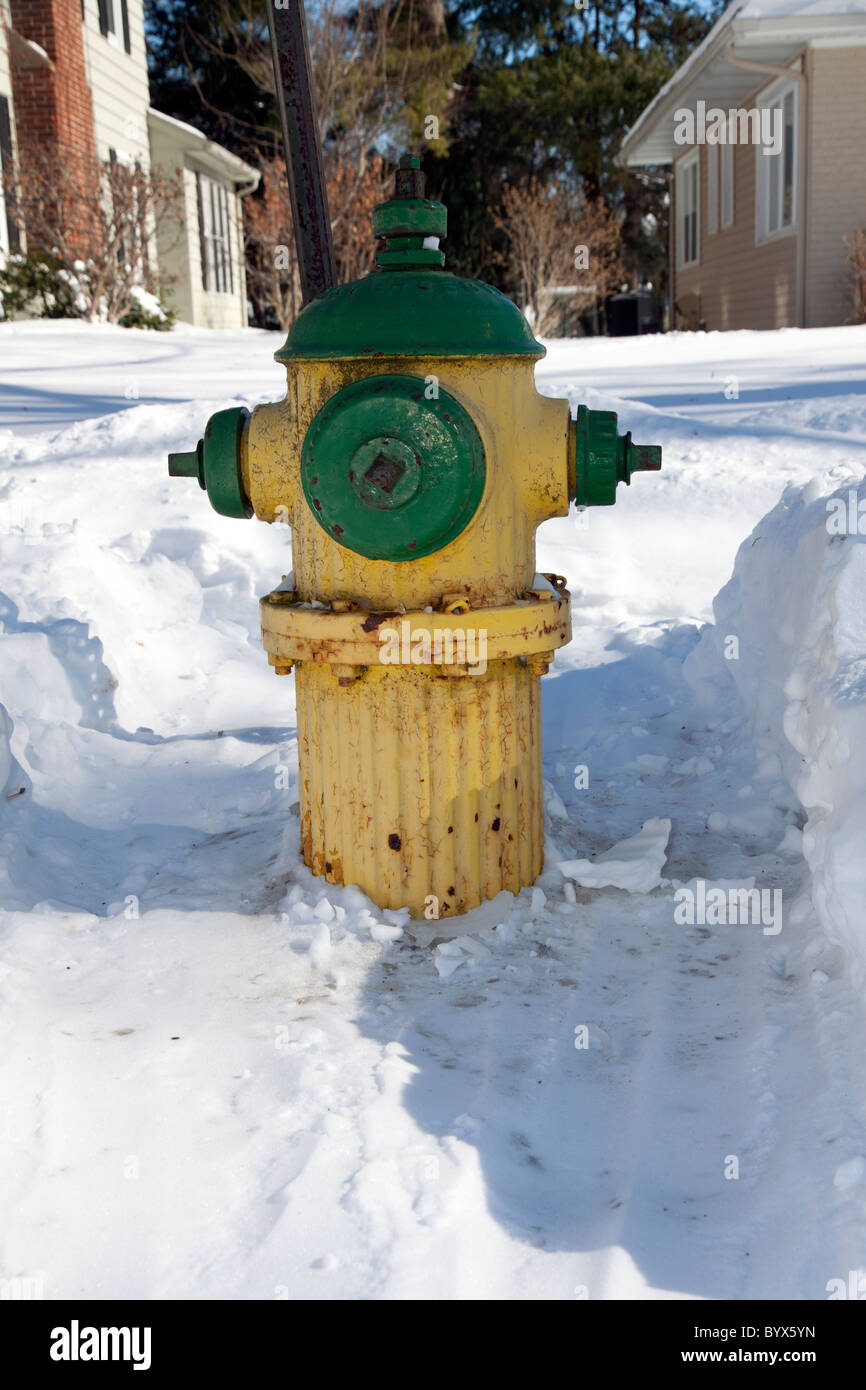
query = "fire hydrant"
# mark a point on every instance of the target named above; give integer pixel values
(414, 459)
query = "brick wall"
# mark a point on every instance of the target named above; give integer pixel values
(53, 108)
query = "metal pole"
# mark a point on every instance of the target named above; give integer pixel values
(296, 101)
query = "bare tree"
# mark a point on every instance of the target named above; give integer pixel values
(272, 269)
(381, 71)
(558, 241)
(96, 220)
(375, 64)
(354, 247)
(273, 282)
(856, 245)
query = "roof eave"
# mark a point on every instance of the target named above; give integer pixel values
(196, 143)
(798, 33)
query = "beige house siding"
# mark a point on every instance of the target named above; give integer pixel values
(837, 185)
(737, 284)
(118, 84)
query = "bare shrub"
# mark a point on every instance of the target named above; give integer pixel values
(557, 239)
(96, 221)
(857, 274)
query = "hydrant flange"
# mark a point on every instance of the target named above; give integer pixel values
(293, 631)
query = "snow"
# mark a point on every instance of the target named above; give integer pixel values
(5, 752)
(225, 1078)
(803, 682)
(634, 864)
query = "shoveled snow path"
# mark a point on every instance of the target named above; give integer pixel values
(246, 1089)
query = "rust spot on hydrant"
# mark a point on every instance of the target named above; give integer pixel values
(394, 842)
(376, 620)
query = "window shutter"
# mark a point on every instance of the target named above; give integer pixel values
(202, 229)
(104, 17)
(124, 16)
(213, 261)
(219, 253)
(727, 185)
(712, 189)
(225, 242)
(229, 269)
(6, 195)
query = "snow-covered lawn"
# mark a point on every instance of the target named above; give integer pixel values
(222, 1077)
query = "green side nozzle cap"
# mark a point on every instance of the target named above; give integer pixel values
(187, 465)
(605, 458)
(216, 462)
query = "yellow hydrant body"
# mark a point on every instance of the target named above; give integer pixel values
(414, 459)
(421, 782)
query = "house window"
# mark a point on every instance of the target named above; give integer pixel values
(108, 20)
(688, 218)
(712, 189)
(777, 173)
(213, 222)
(727, 186)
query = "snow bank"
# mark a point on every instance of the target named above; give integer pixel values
(14, 786)
(790, 631)
(5, 755)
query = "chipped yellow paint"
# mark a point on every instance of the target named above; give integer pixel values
(424, 791)
(525, 439)
(420, 783)
(527, 627)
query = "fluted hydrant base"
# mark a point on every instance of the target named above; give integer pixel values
(423, 789)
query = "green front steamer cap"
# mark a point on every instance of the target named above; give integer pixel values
(605, 458)
(216, 462)
(390, 474)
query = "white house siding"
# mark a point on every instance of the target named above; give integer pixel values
(211, 310)
(118, 84)
(193, 302)
(175, 146)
